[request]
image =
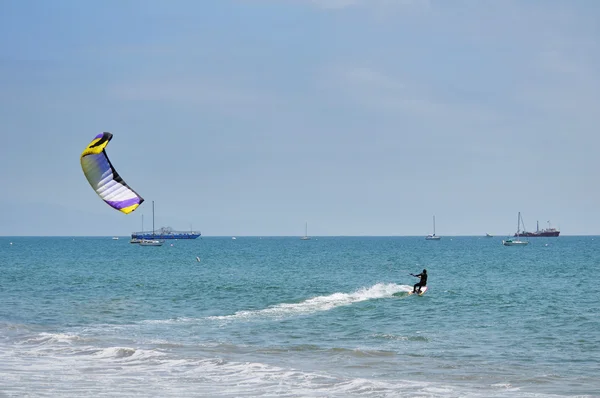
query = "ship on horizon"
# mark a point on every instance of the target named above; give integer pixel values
(165, 233)
(162, 233)
(547, 232)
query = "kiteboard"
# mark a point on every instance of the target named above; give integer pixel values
(423, 290)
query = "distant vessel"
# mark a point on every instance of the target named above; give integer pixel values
(150, 242)
(115, 238)
(539, 233)
(433, 236)
(516, 242)
(162, 233)
(305, 237)
(165, 233)
(488, 235)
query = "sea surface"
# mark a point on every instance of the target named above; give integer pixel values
(282, 317)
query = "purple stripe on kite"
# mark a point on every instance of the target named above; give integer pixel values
(99, 135)
(121, 204)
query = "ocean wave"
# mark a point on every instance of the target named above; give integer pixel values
(52, 338)
(320, 303)
(128, 353)
(400, 337)
(123, 370)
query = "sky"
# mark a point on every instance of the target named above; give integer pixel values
(254, 117)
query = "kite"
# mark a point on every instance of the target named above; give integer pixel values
(104, 179)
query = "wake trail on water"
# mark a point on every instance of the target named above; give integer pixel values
(321, 303)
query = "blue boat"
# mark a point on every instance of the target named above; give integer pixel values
(165, 233)
(162, 233)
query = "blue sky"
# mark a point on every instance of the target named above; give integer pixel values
(252, 117)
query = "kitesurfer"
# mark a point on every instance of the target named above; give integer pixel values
(421, 283)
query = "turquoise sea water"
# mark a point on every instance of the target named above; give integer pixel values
(281, 317)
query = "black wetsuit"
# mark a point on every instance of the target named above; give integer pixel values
(422, 282)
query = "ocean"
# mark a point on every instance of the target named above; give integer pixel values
(282, 317)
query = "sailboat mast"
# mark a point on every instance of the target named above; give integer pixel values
(152, 218)
(434, 225)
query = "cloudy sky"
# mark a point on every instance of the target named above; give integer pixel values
(252, 117)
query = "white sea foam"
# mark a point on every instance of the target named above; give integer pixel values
(321, 303)
(129, 371)
(52, 338)
(67, 365)
(127, 353)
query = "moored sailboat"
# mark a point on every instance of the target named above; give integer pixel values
(433, 236)
(517, 241)
(305, 237)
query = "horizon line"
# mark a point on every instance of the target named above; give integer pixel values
(287, 236)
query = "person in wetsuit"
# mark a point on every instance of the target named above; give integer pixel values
(422, 282)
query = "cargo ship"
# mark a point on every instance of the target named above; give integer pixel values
(162, 233)
(165, 233)
(548, 232)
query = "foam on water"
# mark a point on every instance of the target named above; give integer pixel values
(321, 303)
(116, 371)
(53, 338)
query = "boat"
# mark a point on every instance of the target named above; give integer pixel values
(150, 242)
(151, 239)
(163, 232)
(305, 237)
(517, 241)
(115, 238)
(547, 232)
(433, 236)
(488, 235)
(166, 233)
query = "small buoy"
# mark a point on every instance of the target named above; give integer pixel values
(11, 243)
(198, 259)
(171, 245)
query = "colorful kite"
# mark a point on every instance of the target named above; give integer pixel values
(105, 180)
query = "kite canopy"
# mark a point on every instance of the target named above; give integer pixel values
(105, 180)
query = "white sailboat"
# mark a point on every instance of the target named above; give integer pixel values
(516, 241)
(305, 237)
(433, 236)
(150, 242)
